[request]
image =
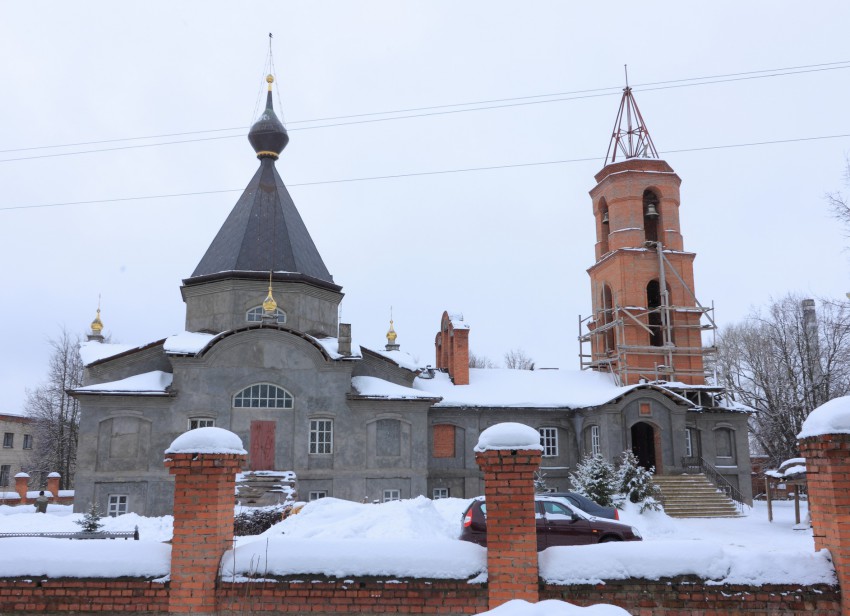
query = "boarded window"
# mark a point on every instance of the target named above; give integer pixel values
(388, 437)
(444, 441)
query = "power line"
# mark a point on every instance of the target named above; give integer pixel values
(427, 173)
(445, 109)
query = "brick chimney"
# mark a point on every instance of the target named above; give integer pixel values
(452, 347)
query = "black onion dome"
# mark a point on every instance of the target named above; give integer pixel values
(268, 137)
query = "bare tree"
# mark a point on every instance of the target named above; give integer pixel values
(516, 359)
(480, 361)
(839, 204)
(56, 414)
(784, 362)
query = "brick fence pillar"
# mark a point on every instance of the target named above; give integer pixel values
(53, 485)
(204, 486)
(828, 476)
(511, 527)
(22, 481)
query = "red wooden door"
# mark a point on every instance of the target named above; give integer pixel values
(262, 446)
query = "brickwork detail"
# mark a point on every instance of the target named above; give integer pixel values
(444, 441)
(665, 597)
(511, 527)
(204, 485)
(452, 347)
(828, 477)
(84, 595)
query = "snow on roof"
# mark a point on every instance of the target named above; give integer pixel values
(148, 383)
(92, 350)
(400, 358)
(501, 387)
(833, 417)
(187, 343)
(13, 414)
(373, 387)
(331, 347)
(207, 440)
(509, 435)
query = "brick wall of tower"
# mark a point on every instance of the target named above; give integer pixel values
(629, 265)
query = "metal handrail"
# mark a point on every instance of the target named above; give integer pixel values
(82, 534)
(719, 481)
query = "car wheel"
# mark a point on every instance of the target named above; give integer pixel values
(609, 539)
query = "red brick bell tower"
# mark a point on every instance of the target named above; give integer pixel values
(646, 321)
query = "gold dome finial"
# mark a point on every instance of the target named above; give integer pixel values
(270, 81)
(97, 324)
(391, 335)
(269, 305)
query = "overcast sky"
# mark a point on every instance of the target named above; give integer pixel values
(507, 247)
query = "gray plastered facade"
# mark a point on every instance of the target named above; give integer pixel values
(338, 441)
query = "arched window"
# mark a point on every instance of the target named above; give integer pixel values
(653, 304)
(724, 445)
(608, 316)
(605, 226)
(263, 396)
(255, 315)
(651, 215)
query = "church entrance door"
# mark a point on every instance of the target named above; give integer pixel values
(261, 457)
(643, 444)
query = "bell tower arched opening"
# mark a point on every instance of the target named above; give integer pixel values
(651, 215)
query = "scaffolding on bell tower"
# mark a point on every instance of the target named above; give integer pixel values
(637, 343)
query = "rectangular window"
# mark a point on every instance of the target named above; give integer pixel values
(117, 505)
(595, 449)
(27, 441)
(549, 441)
(645, 409)
(5, 472)
(8, 439)
(321, 436)
(317, 494)
(444, 441)
(201, 422)
(440, 493)
(392, 495)
(689, 447)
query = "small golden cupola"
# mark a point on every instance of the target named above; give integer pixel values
(269, 305)
(96, 327)
(391, 337)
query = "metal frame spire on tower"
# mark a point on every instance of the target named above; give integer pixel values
(630, 137)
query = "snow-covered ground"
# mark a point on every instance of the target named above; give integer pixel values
(417, 538)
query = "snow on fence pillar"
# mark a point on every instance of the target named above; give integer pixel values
(53, 485)
(825, 443)
(509, 454)
(204, 463)
(22, 481)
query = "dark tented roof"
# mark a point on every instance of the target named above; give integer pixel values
(264, 231)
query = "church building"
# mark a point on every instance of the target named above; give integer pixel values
(264, 356)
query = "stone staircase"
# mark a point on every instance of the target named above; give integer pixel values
(694, 496)
(261, 488)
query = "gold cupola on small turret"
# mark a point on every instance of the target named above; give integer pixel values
(391, 336)
(96, 326)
